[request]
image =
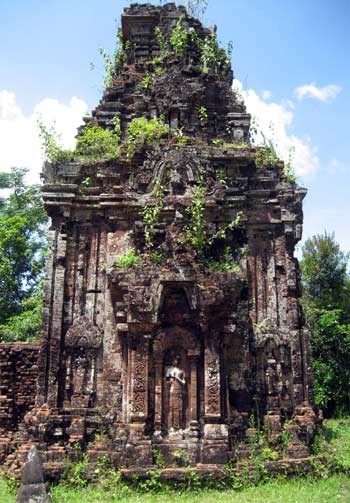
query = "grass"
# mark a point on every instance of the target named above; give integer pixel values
(329, 485)
(333, 489)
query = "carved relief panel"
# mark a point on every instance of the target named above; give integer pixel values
(82, 342)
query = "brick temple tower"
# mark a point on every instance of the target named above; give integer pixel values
(201, 337)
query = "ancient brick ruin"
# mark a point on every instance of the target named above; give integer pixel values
(181, 352)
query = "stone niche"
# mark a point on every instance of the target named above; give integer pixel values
(186, 351)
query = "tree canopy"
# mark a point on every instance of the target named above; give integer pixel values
(326, 302)
(23, 224)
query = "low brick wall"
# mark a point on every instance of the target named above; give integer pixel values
(18, 376)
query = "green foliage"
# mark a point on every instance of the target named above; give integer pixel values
(114, 64)
(157, 257)
(76, 472)
(196, 234)
(163, 45)
(227, 262)
(108, 75)
(179, 38)
(50, 145)
(128, 260)
(151, 212)
(145, 132)
(22, 250)
(250, 482)
(24, 326)
(265, 156)
(119, 55)
(203, 116)
(289, 171)
(195, 231)
(326, 303)
(96, 142)
(147, 82)
(213, 58)
(180, 137)
(331, 353)
(158, 458)
(325, 278)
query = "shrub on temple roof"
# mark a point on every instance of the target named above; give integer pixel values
(145, 132)
(98, 143)
(266, 156)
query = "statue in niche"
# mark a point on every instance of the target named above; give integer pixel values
(271, 375)
(176, 382)
(83, 373)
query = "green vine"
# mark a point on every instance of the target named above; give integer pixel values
(151, 212)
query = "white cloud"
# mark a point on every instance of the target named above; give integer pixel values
(325, 94)
(19, 141)
(266, 95)
(273, 121)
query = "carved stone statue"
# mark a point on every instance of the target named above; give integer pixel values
(176, 382)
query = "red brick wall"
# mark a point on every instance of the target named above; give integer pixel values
(18, 375)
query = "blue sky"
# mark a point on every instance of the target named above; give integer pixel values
(291, 59)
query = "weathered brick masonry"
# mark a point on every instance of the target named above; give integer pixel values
(173, 354)
(18, 379)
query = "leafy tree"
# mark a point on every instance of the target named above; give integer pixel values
(326, 304)
(324, 268)
(22, 248)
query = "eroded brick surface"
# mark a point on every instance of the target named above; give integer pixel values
(172, 355)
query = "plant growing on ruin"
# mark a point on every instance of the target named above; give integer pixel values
(265, 156)
(151, 212)
(227, 262)
(128, 260)
(108, 74)
(179, 38)
(115, 63)
(195, 231)
(145, 132)
(163, 44)
(76, 472)
(157, 257)
(96, 142)
(203, 115)
(211, 54)
(288, 169)
(50, 144)
(180, 137)
(221, 233)
(147, 82)
(158, 458)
